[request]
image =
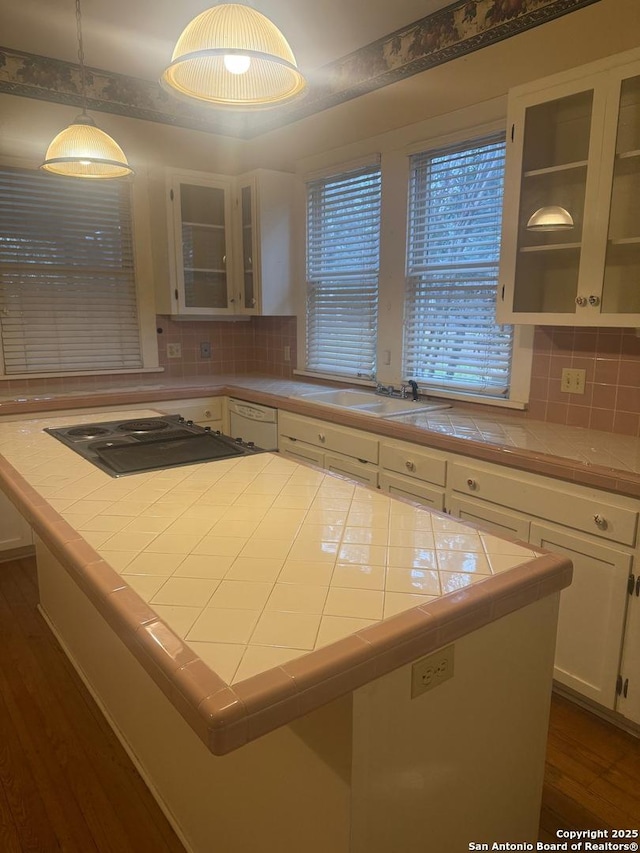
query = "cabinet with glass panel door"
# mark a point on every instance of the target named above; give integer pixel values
(265, 201)
(230, 244)
(571, 224)
(200, 214)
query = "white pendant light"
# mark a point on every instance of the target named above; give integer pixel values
(232, 56)
(82, 150)
(551, 218)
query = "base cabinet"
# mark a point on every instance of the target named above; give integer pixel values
(628, 685)
(351, 453)
(598, 643)
(204, 412)
(592, 614)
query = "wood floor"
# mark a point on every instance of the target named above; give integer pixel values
(66, 784)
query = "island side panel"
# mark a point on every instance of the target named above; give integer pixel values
(282, 793)
(465, 761)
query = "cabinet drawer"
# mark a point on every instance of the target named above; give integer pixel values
(501, 521)
(363, 472)
(561, 503)
(298, 450)
(329, 437)
(198, 411)
(411, 461)
(413, 490)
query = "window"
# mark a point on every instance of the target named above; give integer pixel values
(67, 289)
(451, 340)
(343, 251)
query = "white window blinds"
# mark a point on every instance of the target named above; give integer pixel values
(451, 340)
(67, 290)
(343, 249)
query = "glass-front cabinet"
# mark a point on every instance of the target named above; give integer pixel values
(248, 286)
(571, 226)
(201, 214)
(230, 245)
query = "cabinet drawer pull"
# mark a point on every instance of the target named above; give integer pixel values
(411, 466)
(472, 483)
(600, 521)
(321, 436)
(207, 413)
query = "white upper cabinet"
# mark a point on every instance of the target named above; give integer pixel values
(229, 245)
(574, 143)
(200, 214)
(265, 202)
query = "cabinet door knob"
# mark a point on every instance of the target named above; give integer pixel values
(472, 483)
(600, 521)
(207, 413)
(410, 465)
(321, 436)
(594, 300)
(581, 301)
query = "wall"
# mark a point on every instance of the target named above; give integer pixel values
(611, 359)
(254, 346)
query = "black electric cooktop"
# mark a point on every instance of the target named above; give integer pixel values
(149, 444)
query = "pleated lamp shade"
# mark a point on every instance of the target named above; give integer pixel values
(82, 150)
(232, 56)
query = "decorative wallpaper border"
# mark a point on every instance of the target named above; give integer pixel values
(457, 30)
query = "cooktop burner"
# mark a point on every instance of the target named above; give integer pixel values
(143, 426)
(131, 447)
(87, 432)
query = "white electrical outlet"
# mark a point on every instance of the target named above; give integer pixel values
(287, 353)
(174, 350)
(572, 381)
(431, 671)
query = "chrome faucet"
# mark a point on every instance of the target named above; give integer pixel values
(414, 389)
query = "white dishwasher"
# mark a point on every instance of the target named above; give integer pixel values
(255, 423)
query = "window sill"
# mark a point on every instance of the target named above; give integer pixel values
(8, 377)
(474, 398)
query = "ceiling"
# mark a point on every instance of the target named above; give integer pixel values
(345, 48)
(136, 37)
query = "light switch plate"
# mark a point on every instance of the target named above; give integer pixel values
(573, 380)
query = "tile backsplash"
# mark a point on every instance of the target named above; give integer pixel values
(611, 359)
(254, 346)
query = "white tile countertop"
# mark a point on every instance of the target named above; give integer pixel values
(259, 564)
(589, 457)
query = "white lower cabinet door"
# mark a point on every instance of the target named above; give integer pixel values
(403, 487)
(14, 530)
(592, 613)
(628, 703)
(503, 522)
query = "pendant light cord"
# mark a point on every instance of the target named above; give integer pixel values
(83, 81)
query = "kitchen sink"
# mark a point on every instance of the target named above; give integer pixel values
(366, 403)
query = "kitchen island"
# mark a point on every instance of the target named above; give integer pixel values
(271, 614)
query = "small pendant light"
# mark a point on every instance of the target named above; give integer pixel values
(82, 150)
(232, 56)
